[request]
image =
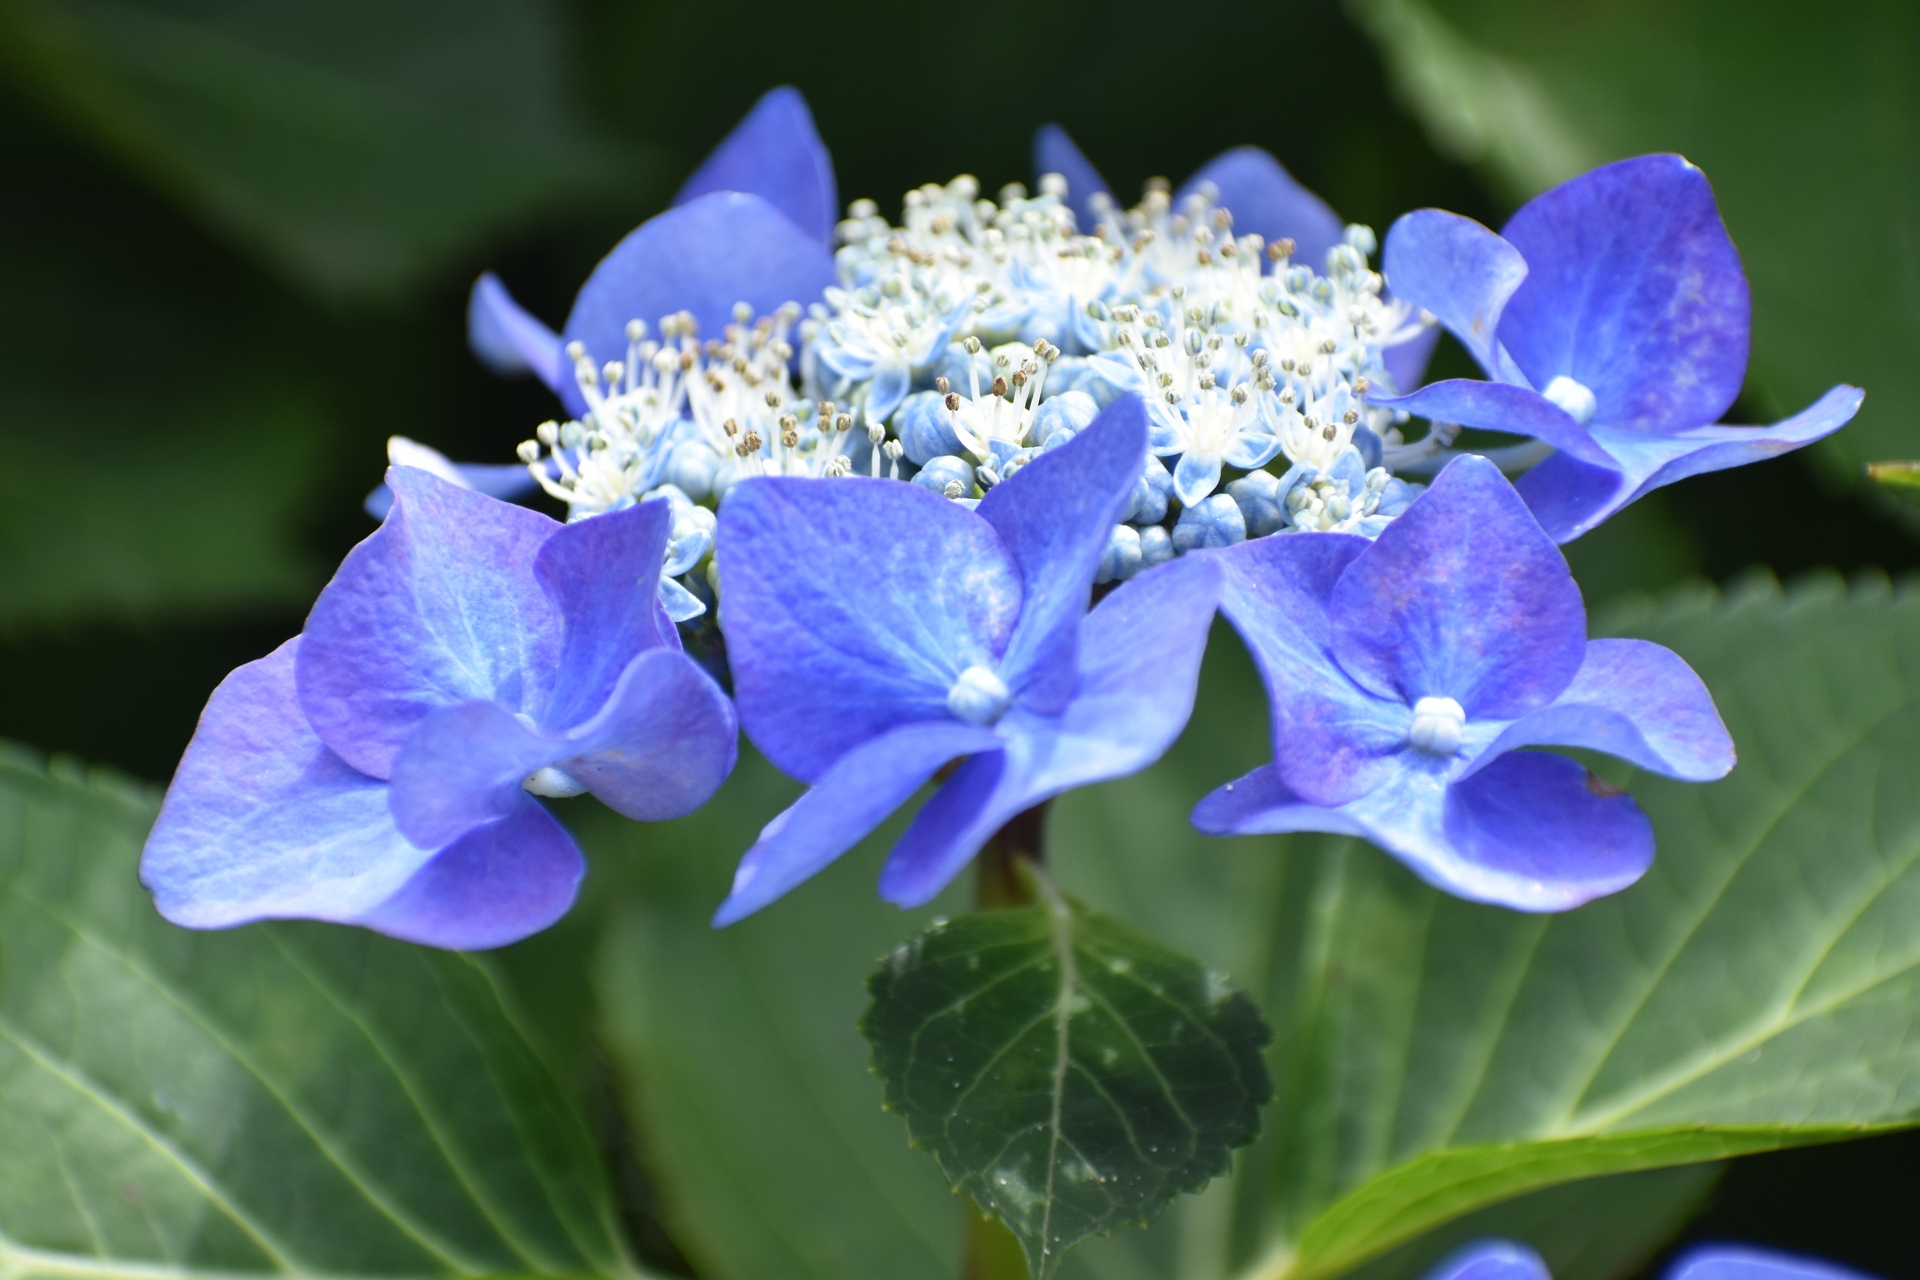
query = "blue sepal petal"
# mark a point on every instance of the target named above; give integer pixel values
(1636, 700)
(1266, 200)
(597, 572)
(1633, 289)
(1495, 406)
(1491, 1260)
(848, 801)
(774, 153)
(439, 606)
(852, 605)
(1462, 596)
(1055, 517)
(497, 884)
(1055, 152)
(1738, 1262)
(262, 821)
(1460, 271)
(508, 339)
(1570, 498)
(701, 257)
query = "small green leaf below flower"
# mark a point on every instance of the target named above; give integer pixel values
(1069, 1073)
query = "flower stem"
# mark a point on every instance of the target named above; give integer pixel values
(999, 882)
(992, 1251)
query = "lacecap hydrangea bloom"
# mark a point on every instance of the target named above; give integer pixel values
(380, 768)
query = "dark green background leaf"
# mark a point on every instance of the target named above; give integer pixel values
(1070, 1074)
(357, 145)
(1802, 116)
(291, 1099)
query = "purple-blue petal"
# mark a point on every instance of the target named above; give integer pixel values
(262, 821)
(1495, 406)
(701, 257)
(1457, 269)
(951, 828)
(851, 606)
(601, 574)
(1463, 596)
(498, 884)
(1332, 740)
(1737, 1262)
(508, 339)
(1055, 152)
(1265, 200)
(1570, 498)
(850, 799)
(1636, 700)
(663, 743)
(1635, 290)
(1055, 516)
(1491, 1260)
(462, 768)
(774, 153)
(1406, 362)
(1139, 662)
(1259, 804)
(438, 607)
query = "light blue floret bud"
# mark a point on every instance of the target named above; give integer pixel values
(692, 467)
(1215, 522)
(925, 427)
(689, 540)
(940, 472)
(1148, 505)
(978, 696)
(1068, 412)
(1156, 546)
(1261, 503)
(1121, 558)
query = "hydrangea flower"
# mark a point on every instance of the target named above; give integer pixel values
(878, 631)
(379, 769)
(1505, 1260)
(1611, 316)
(1404, 672)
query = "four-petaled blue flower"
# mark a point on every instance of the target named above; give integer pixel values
(1612, 316)
(878, 631)
(375, 770)
(1403, 672)
(1505, 1260)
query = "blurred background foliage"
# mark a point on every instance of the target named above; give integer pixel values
(237, 238)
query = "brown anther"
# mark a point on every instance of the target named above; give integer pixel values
(1205, 258)
(1281, 248)
(1328, 432)
(752, 442)
(773, 399)
(1350, 417)
(731, 427)
(843, 422)
(999, 386)
(1361, 386)
(942, 385)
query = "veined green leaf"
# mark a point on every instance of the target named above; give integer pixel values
(287, 1100)
(1070, 1074)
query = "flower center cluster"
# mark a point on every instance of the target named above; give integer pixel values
(1438, 725)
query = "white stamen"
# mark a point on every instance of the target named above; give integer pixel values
(1575, 397)
(551, 780)
(978, 696)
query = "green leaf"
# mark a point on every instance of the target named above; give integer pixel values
(359, 146)
(284, 1099)
(1805, 172)
(1071, 1074)
(1759, 989)
(743, 1071)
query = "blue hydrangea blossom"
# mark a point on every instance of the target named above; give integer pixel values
(877, 631)
(1404, 672)
(1611, 316)
(380, 768)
